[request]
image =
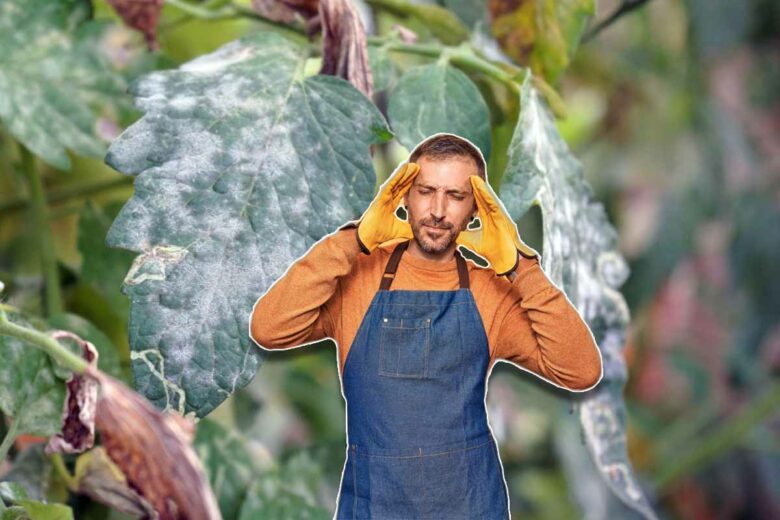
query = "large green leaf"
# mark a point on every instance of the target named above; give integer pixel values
(54, 77)
(581, 256)
(242, 163)
(30, 390)
(438, 98)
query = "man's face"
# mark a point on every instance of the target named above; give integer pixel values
(440, 202)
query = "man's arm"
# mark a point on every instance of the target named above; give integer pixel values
(299, 307)
(544, 333)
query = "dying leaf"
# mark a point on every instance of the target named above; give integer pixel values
(230, 189)
(542, 34)
(98, 477)
(285, 11)
(344, 52)
(152, 448)
(78, 414)
(581, 256)
(141, 15)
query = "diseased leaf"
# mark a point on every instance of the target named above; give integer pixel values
(54, 77)
(581, 256)
(32, 471)
(542, 34)
(30, 390)
(438, 98)
(242, 164)
(287, 492)
(228, 463)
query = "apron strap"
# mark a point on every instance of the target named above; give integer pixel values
(395, 259)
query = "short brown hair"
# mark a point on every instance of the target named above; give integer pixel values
(446, 146)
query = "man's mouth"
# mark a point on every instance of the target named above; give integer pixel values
(435, 229)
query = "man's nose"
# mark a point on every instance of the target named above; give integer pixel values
(439, 206)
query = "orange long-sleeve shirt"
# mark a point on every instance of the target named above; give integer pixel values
(528, 322)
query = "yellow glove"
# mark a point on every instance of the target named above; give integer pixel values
(498, 240)
(379, 224)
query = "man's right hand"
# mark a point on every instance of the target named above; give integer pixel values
(379, 223)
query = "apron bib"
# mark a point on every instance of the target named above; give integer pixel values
(419, 443)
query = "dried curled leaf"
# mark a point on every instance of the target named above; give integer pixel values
(153, 450)
(141, 15)
(344, 51)
(78, 414)
(101, 479)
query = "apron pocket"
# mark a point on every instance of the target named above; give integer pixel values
(403, 347)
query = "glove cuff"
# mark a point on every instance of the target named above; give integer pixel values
(354, 224)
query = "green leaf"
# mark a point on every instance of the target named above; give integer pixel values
(242, 164)
(41, 511)
(438, 98)
(581, 256)
(269, 499)
(12, 491)
(30, 391)
(54, 77)
(228, 464)
(103, 266)
(288, 492)
(382, 69)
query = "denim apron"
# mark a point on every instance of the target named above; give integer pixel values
(419, 444)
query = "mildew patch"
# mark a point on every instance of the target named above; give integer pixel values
(152, 265)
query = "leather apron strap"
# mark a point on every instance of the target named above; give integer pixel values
(395, 259)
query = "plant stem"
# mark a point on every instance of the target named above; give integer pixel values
(71, 192)
(59, 465)
(705, 449)
(8, 440)
(40, 219)
(44, 342)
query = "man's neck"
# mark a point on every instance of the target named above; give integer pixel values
(445, 256)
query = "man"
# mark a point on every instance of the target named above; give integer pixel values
(414, 359)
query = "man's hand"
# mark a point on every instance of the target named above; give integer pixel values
(379, 224)
(498, 240)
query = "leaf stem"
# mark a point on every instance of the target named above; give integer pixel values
(8, 440)
(40, 219)
(44, 342)
(70, 192)
(705, 449)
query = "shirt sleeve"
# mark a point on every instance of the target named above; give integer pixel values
(542, 332)
(299, 307)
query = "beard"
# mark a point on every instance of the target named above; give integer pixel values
(435, 243)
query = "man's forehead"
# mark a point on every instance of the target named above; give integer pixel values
(451, 174)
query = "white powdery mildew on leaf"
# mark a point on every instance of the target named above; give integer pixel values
(240, 166)
(31, 393)
(54, 78)
(581, 257)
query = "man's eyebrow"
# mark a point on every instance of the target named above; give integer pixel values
(451, 190)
